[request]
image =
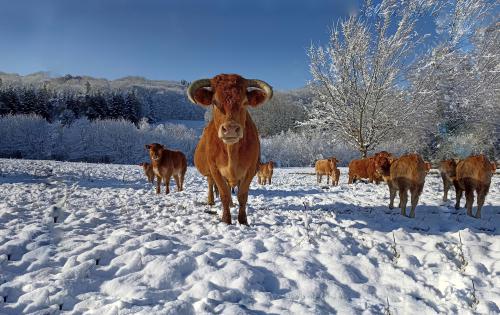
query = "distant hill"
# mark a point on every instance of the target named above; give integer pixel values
(161, 100)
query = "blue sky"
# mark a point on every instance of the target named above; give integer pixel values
(170, 39)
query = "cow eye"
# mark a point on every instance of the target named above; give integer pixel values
(221, 108)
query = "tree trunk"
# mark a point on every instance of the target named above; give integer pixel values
(364, 152)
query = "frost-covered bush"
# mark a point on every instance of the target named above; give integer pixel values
(304, 148)
(110, 141)
(24, 136)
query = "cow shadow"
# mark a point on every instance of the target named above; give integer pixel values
(429, 219)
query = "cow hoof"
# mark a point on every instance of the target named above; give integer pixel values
(391, 207)
(243, 221)
(226, 220)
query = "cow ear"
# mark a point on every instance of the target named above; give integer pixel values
(147, 146)
(256, 97)
(203, 96)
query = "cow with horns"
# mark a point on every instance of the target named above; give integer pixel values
(229, 148)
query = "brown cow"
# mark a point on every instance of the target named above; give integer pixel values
(473, 173)
(265, 172)
(335, 172)
(148, 171)
(363, 168)
(165, 164)
(406, 173)
(324, 167)
(229, 148)
(448, 170)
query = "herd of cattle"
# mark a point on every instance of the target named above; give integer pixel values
(408, 172)
(229, 148)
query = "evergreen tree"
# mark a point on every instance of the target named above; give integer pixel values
(43, 103)
(11, 100)
(28, 100)
(96, 106)
(132, 108)
(116, 106)
(4, 109)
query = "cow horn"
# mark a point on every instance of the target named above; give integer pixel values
(263, 86)
(196, 85)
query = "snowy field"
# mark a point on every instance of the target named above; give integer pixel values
(95, 239)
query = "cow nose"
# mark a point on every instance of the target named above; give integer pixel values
(230, 129)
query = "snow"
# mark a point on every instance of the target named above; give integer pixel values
(96, 239)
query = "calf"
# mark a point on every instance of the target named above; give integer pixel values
(265, 172)
(473, 173)
(448, 170)
(406, 173)
(148, 170)
(324, 167)
(165, 164)
(363, 168)
(335, 172)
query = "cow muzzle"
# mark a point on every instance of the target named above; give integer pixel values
(230, 132)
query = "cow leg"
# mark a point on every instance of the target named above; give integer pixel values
(481, 196)
(446, 187)
(458, 193)
(158, 184)
(415, 195)
(242, 200)
(176, 178)
(269, 178)
(183, 175)
(319, 178)
(210, 197)
(469, 200)
(225, 194)
(392, 195)
(328, 179)
(403, 199)
(167, 183)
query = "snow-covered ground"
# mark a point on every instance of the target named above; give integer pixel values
(90, 238)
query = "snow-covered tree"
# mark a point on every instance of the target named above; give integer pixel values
(459, 80)
(374, 81)
(358, 78)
